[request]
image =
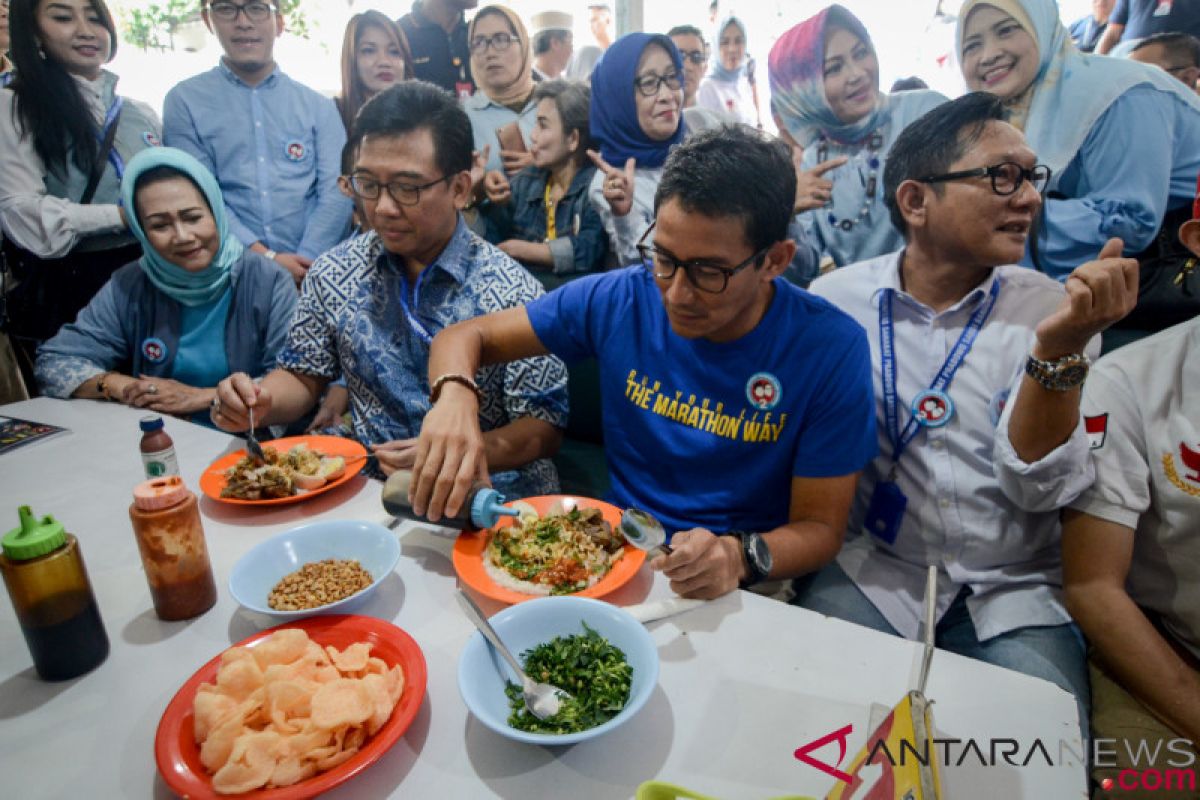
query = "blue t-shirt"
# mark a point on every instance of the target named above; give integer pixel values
(710, 434)
(1143, 18)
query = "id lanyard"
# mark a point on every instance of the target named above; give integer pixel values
(110, 119)
(417, 326)
(551, 232)
(887, 345)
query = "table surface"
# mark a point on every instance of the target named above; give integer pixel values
(744, 680)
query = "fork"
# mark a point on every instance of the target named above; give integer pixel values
(252, 446)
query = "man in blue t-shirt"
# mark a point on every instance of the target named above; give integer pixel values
(733, 402)
(1136, 19)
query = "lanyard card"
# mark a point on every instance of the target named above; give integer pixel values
(886, 511)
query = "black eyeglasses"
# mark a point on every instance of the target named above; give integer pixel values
(500, 41)
(1006, 176)
(648, 84)
(694, 56)
(403, 194)
(255, 12)
(705, 276)
(1175, 70)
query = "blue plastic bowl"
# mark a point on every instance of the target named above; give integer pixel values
(483, 673)
(257, 572)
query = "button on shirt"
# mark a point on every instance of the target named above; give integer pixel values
(1142, 405)
(275, 149)
(988, 520)
(351, 321)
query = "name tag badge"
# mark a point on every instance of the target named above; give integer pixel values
(463, 89)
(886, 512)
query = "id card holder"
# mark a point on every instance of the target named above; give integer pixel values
(886, 512)
(463, 89)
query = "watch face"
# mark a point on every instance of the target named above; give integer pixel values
(1072, 375)
(759, 553)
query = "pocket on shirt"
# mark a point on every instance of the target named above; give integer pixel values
(296, 156)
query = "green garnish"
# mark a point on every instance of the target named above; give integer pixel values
(587, 666)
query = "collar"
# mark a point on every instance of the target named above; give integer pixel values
(481, 102)
(890, 279)
(454, 260)
(230, 76)
(103, 89)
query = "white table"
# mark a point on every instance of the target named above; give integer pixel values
(744, 680)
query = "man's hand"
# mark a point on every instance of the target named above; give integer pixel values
(164, 395)
(1099, 293)
(332, 409)
(450, 454)
(812, 189)
(396, 454)
(702, 565)
(618, 183)
(497, 187)
(296, 264)
(234, 395)
(515, 160)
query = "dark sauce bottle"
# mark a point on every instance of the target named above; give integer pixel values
(48, 583)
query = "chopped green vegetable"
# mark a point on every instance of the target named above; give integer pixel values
(587, 666)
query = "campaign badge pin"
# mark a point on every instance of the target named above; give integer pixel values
(996, 406)
(151, 139)
(932, 408)
(154, 350)
(295, 151)
(764, 391)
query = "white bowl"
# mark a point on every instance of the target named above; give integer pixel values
(483, 673)
(257, 572)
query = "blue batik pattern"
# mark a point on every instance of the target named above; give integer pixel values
(350, 321)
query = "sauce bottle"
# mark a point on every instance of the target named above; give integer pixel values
(158, 451)
(166, 523)
(48, 583)
(482, 509)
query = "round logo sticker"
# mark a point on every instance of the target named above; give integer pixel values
(295, 151)
(151, 139)
(154, 350)
(764, 391)
(932, 408)
(996, 406)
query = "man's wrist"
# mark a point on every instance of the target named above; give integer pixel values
(736, 554)
(1052, 351)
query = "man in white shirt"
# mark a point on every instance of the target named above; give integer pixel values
(552, 44)
(979, 364)
(1131, 555)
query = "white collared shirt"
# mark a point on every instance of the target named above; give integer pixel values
(988, 520)
(1143, 402)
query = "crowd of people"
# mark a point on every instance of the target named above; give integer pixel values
(832, 358)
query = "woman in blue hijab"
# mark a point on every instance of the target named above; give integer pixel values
(637, 116)
(729, 85)
(196, 307)
(1122, 139)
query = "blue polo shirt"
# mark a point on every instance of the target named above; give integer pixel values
(710, 434)
(1143, 18)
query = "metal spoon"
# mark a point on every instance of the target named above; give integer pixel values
(252, 446)
(542, 699)
(643, 531)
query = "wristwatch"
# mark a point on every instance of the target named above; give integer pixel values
(1060, 375)
(757, 555)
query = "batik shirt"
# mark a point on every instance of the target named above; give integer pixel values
(359, 317)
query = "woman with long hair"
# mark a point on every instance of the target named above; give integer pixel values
(375, 56)
(65, 137)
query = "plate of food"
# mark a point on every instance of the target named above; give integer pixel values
(297, 468)
(291, 711)
(560, 545)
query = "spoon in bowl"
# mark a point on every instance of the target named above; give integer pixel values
(644, 532)
(542, 699)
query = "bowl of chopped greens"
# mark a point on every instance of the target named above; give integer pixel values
(595, 651)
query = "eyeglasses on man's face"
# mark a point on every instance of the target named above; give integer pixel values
(1007, 176)
(499, 41)
(401, 192)
(704, 275)
(697, 57)
(228, 12)
(649, 83)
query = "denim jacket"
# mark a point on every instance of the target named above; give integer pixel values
(581, 244)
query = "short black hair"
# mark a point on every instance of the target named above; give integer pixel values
(573, 100)
(686, 30)
(415, 105)
(1177, 45)
(908, 84)
(159, 174)
(543, 39)
(733, 171)
(935, 141)
(349, 154)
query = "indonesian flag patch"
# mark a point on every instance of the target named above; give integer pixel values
(1097, 430)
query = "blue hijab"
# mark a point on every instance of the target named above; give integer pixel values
(188, 288)
(717, 70)
(614, 119)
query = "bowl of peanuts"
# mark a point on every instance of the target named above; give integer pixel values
(328, 567)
